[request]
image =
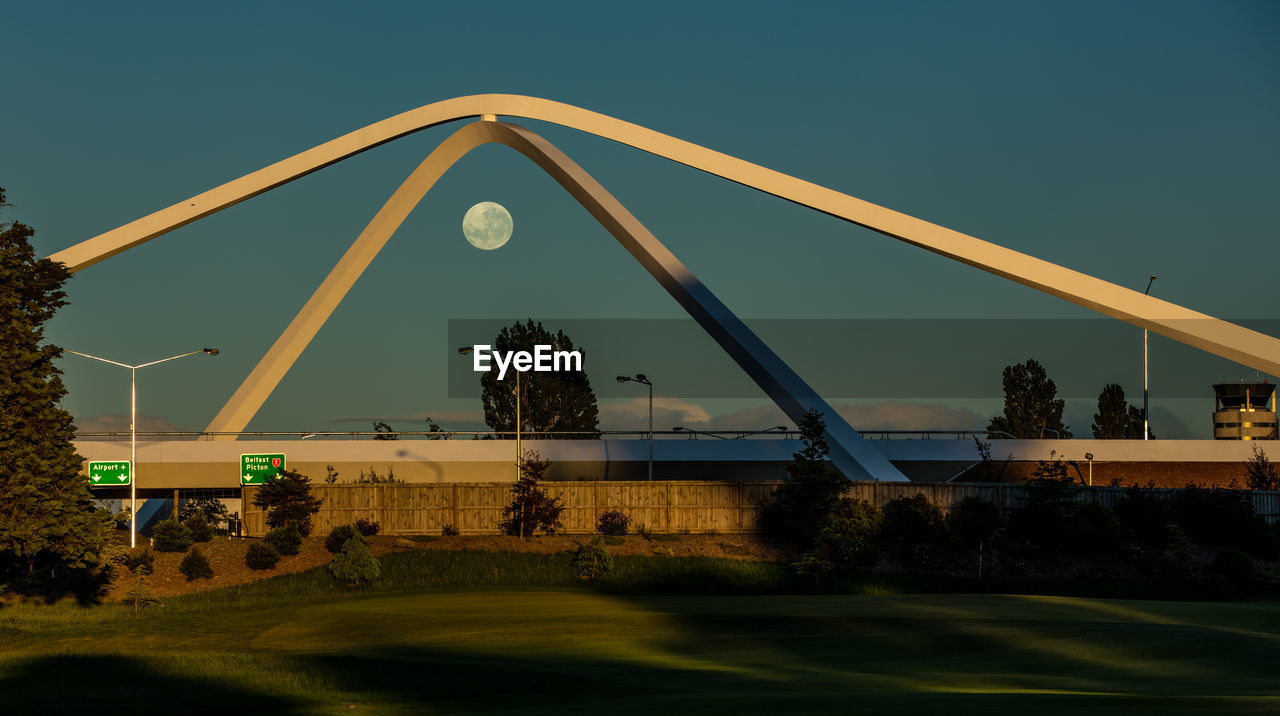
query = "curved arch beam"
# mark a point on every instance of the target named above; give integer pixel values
(856, 458)
(1196, 329)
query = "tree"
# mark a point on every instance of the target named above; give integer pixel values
(382, 431)
(805, 503)
(1116, 419)
(1031, 409)
(551, 401)
(1260, 472)
(288, 501)
(46, 514)
(531, 507)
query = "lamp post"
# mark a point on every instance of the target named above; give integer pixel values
(1089, 456)
(693, 433)
(466, 350)
(640, 378)
(133, 428)
(1146, 426)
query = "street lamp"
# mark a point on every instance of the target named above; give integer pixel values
(693, 433)
(644, 381)
(466, 350)
(133, 428)
(1146, 426)
(1089, 456)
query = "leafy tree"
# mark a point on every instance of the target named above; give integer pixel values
(805, 503)
(437, 432)
(1031, 408)
(288, 501)
(384, 432)
(211, 509)
(1116, 419)
(1260, 472)
(531, 507)
(552, 401)
(46, 514)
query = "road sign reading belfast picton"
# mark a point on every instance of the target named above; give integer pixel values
(257, 469)
(114, 473)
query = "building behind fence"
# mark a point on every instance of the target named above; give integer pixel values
(660, 506)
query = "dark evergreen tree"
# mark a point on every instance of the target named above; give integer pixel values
(1116, 419)
(803, 505)
(1031, 408)
(531, 508)
(288, 501)
(552, 401)
(46, 511)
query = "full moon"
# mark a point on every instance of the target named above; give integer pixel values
(487, 225)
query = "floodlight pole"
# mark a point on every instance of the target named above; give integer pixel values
(133, 429)
(640, 378)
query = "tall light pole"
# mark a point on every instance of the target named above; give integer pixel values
(1146, 425)
(133, 428)
(466, 350)
(644, 381)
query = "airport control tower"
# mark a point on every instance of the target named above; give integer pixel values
(1241, 413)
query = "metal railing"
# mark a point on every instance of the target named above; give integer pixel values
(684, 433)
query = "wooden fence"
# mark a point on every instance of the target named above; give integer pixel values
(660, 506)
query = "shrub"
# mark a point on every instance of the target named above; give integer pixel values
(368, 528)
(1213, 517)
(913, 520)
(288, 501)
(338, 537)
(195, 565)
(261, 555)
(857, 519)
(813, 564)
(973, 520)
(355, 564)
(285, 539)
(449, 531)
(1235, 564)
(1260, 473)
(925, 555)
(170, 536)
(1144, 517)
(1176, 541)
(613, 522)
(141, 562)
(1258, 539)
(531, 508)
(201, 531)
(853, 551)
(592, 560)
(802, 506)
(1093, 528)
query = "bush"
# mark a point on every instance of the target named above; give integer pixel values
(141, 562)
(195, 565)
(813, 564)
(613, 522)
(973, 520)
(592, 560)
(201, 531)
(285, 540)
(1144, 517)
(926, 555)
(853, 551)
(171, 536)
(1258, 539)
(338, 537)
(1212, 517)
(355, 564)
(531, 508)
(1093, 528)
(261, 555)
(287, 500)
(856, 519)
(449, 531)
(1235, 564)
(368, 528)
(913, 520)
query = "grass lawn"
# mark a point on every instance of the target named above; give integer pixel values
(566, 649)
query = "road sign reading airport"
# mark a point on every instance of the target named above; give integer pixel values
(115, 473)
(257, 469)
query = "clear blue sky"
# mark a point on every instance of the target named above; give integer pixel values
(1120, 139)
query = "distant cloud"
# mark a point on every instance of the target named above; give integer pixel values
(114, 423)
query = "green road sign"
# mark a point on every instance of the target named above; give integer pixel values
(257, 469)
(114, 474)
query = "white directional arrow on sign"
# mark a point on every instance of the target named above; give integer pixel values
(96, 477)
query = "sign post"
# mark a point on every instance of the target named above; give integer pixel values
(110, 474)
(258, 468)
